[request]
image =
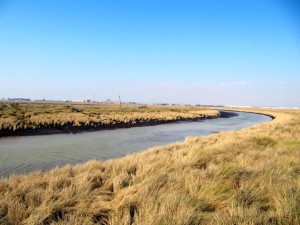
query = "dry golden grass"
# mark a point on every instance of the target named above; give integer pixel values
(19, 116)
(251, 176)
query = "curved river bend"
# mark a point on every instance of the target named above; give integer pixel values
(24, 154)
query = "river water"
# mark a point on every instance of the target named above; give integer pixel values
(23, 154)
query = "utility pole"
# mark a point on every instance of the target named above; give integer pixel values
(120, 102)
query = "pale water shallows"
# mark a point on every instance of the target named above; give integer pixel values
(24, 154)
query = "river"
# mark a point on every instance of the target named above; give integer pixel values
(24, 154)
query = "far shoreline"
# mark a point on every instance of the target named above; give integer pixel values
(70, 129)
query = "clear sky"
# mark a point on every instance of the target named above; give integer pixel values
(235, 52)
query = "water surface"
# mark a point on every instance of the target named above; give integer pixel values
(28, 153)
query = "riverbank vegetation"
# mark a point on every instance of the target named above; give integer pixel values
(251, 176)
(16, 117)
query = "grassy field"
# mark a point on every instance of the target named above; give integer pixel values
(16, 116)
(251, 176)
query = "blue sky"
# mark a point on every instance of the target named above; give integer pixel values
(238, 52)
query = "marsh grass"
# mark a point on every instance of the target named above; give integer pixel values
(19, 116)
(251, 176)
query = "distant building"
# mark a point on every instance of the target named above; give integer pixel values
(19, 99)
(161, 103)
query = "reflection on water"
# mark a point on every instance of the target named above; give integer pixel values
(23, 154)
